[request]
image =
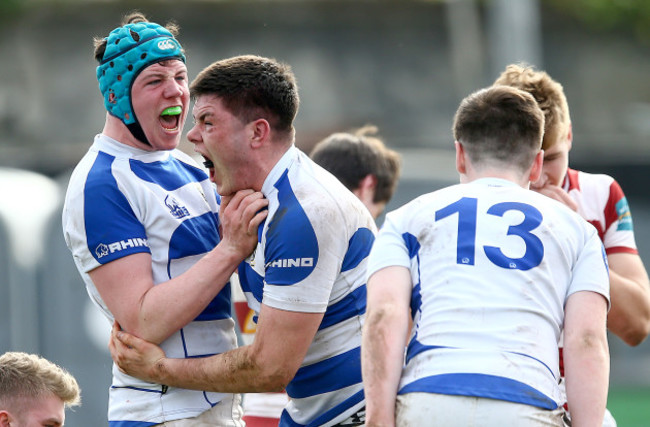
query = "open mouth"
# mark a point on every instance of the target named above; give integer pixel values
(210, 166)
(170, 118)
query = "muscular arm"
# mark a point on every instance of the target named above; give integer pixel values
(155, 312)
(268, 364)
(382, 349)
(586, 357)
(629, 316)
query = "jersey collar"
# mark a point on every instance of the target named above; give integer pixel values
(279, 169)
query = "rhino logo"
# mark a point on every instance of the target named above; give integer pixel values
(175, 208)
(101, 250)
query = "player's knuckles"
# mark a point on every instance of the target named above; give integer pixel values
(242, 195)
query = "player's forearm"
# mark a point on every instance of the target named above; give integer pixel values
(629, 316)
(236, 371)
(169, 306)
(382, 356)
(586, 365)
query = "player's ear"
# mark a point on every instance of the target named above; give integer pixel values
(366, 189)
(4, 419)
(260, 132)
(461, 167)
(570, 136)
(369, 182)
(536, 169)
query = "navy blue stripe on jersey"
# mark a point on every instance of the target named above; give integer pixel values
(144, 390)
(119, 234)
(291, 251)
(415, 347)
(416, 299)
(338, 409)
(413, 247)
(537, 360)
(412, 244)
(194, 236)
(219, 307)
(358, 248)
(331, 374)
(481, 385)
(287, 421)
(208, 400)
(131, 424)
(170, 174)
(353, 304)
(251, 281)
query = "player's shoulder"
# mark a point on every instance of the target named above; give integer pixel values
(185, 158)
(561, 220)
(594, 191)
(425, 205)
(320, 192)
(94, 173)
(589, 180)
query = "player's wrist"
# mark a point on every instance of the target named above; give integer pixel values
(160, 371)
(228, 253)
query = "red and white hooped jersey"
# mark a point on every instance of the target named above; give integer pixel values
(603, 204)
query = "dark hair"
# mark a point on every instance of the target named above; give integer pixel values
(352, 156)
(252, 87)
(130, 18)
(500, 124)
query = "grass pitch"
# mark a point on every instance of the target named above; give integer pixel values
(630, 406)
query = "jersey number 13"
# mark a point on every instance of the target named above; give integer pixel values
(466, 208)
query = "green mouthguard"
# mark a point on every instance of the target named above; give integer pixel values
(172, 111)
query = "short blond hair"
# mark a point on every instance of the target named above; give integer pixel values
(549, 95)
(28, 376)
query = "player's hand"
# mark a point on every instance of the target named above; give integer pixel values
(557, 193)
(135, 356)
(241, 214)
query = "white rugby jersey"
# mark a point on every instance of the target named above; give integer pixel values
(311, 257)
(121, 201)
(603, 204)
(492, 265)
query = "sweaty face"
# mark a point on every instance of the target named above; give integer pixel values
(222, 139)
(160, 97)
(42, 412)
(556, 162)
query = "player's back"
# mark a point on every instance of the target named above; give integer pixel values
(492, 266)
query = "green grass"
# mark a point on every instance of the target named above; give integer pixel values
(630, 406)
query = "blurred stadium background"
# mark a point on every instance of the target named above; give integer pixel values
(402, 65)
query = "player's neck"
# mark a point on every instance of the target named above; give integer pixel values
(509, 175)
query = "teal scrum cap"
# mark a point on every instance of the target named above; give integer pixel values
(129, 50)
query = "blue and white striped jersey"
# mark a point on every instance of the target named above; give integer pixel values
(311, 257)
(492, 265)
(121, 201)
